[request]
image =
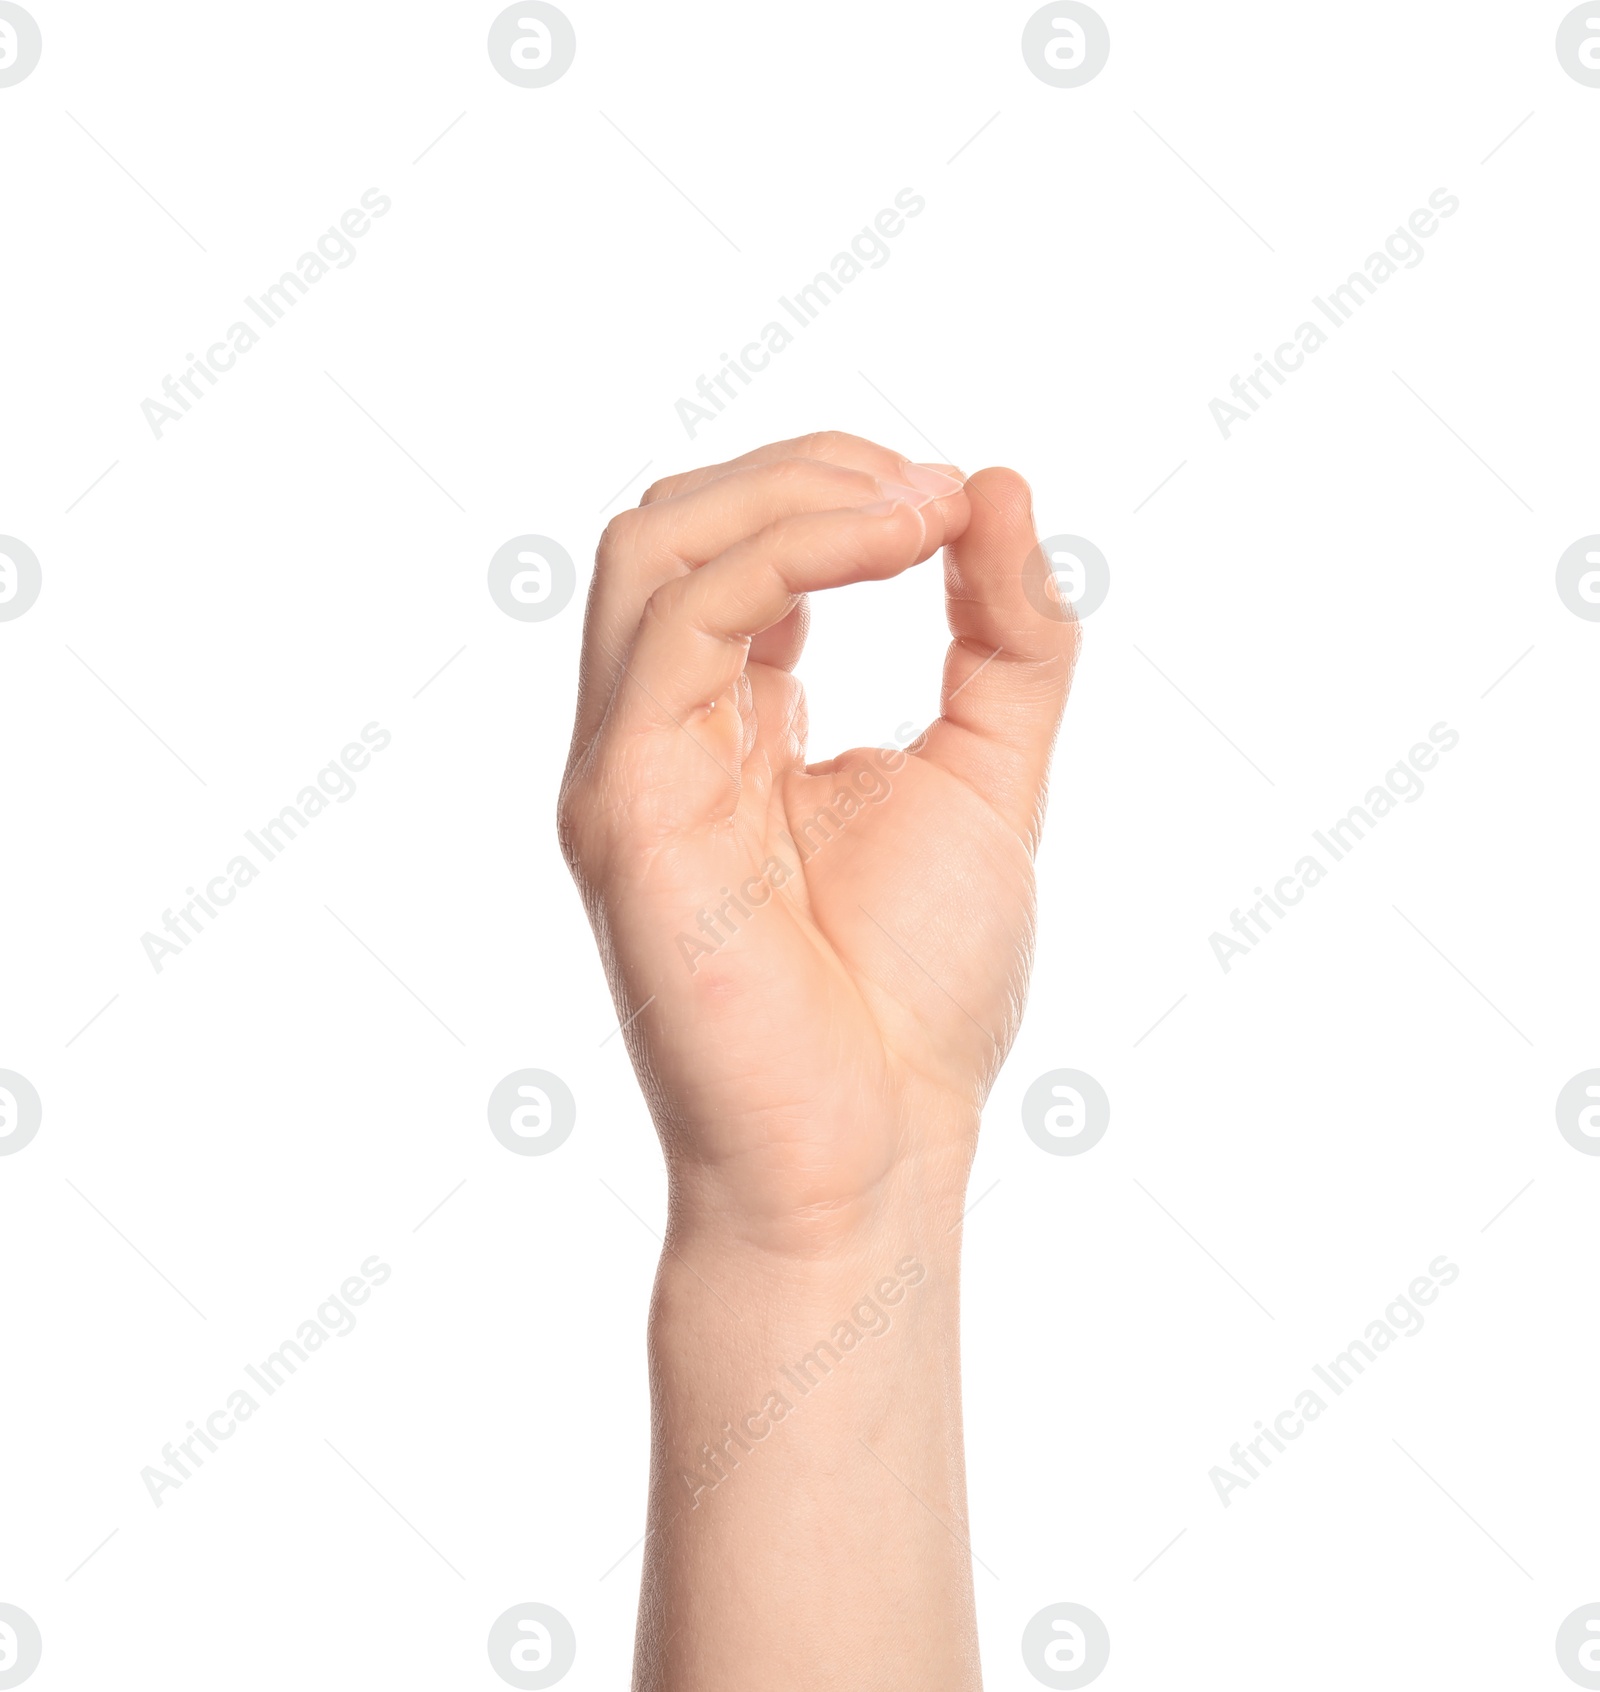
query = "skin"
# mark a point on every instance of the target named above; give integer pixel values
(815, 1056)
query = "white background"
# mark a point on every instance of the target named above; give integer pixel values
(276, 571)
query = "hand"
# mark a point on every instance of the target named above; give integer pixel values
(820, 966)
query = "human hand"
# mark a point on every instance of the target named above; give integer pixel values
(820, 966)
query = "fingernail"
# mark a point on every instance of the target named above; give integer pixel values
(932, 480)
(882, 507)
(903, 493)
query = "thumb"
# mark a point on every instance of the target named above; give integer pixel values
(1010, 663)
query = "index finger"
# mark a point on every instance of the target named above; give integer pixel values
(831, 446)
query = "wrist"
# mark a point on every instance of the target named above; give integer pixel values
(813, 1218)
(859, 1345)
(712, 1286)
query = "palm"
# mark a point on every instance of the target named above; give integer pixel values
(865, 966)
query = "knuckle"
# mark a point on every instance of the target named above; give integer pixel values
(662, 488)
(572, 826)
(666, 603)
(827, 443)
(619, 535)
(791, 472)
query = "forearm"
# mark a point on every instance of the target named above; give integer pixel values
(808, 1501)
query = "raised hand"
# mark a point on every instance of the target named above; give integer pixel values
(821, 965)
